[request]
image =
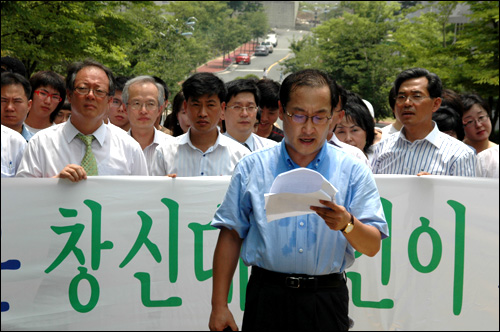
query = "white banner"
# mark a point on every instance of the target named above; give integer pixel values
(135, 253)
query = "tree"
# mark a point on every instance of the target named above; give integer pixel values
(354, 49)
(466, 60)
(51, 34)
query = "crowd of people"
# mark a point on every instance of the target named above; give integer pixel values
(43, 101)
(218, 128)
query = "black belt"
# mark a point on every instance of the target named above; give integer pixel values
(298, 280)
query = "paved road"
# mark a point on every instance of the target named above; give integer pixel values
(270, 62)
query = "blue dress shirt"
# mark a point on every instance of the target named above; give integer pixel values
(301, 244)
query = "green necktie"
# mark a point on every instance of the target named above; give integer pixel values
(89, 163)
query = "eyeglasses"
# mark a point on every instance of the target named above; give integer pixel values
(300, 118)
(45, 94)
(416, 99)
(136, 106)
(238, 108)
(97, 92)
(481, 119)
(116, 103)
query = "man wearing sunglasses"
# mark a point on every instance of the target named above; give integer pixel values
(298, 263)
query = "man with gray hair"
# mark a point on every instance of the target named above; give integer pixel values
(84, 145)
(143, 98)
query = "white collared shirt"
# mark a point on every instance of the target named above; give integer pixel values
(487, 163)
(13, 145)
(351, 149)
(51, 149)
(181, 157)
(255, 142)
(150, 150)
(437, 154)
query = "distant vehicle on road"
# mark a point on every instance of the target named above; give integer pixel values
(243, 58)
(272, 38)
(261, 50)
(269, 46)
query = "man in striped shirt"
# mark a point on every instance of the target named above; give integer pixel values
(420, 148)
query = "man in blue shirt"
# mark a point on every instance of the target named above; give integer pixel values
(298, 263)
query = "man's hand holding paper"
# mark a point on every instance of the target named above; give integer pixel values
(335, 216)
(292, 193)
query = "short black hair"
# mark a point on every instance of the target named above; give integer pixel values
(166, 93)
(448, 119)
(434, 85)
(242, 85)
(66, 106)
(120, 82)
(309, 78)
(200, 84)
(392, 98)
(9, 78)
(357, 112)
(470, 99)
(52, 79)
(13, 65)
(269, 93)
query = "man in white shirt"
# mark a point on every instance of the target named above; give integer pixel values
(13, 145)
(240, 114)
(420, 148)
(143, 98)
(59, 151)
(16, 103)
(202, 151)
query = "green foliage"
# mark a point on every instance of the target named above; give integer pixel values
(354, 50)
(367, 43)
(130, 37)
(51, 34)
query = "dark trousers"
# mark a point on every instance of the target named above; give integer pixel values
(275, 306)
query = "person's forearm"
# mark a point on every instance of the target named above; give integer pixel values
(225, 260)
(364, 238)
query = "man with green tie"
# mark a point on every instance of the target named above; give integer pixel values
(84, 145)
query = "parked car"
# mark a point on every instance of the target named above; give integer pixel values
(261, 50)
(269, 46)
(273, 39)
(243, 58)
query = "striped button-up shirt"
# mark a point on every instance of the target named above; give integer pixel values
(437, 154)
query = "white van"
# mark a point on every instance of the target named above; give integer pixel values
(269, 45)
(272, 38)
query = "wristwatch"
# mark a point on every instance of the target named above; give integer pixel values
(350, 226)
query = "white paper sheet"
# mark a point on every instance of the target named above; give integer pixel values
(293, 192)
